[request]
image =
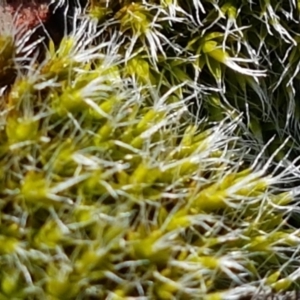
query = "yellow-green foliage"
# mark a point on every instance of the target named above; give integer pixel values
(111, 189)
(245, 53)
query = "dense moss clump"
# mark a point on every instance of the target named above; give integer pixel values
(137, 151)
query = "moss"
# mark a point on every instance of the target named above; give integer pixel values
(114, 187)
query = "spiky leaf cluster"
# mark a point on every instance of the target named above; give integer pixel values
(245, 52)
(112, 189)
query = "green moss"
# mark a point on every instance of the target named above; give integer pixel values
(112, 189)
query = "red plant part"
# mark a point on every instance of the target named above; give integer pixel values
(27, 14)
(21, 35)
